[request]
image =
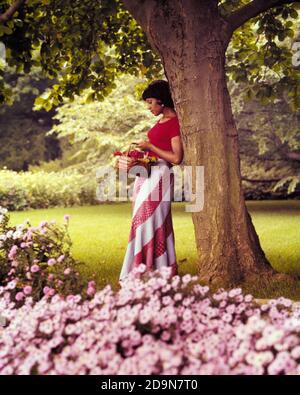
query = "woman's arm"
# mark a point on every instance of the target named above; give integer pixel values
(175, 156)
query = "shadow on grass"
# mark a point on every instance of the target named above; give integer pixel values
(269, 287)
(276, 206)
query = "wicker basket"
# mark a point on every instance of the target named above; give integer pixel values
(147, 166)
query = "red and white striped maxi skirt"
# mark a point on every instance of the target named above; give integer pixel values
(151, 238)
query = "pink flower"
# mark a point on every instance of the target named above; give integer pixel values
(46, 290)
(60, 258)
(27, 290)
(67, 271)
(186, 278)
(19, 296)
(234, 292)
(178, 296)
(248, 298)
(34, 269)
(66, 217)
(14, 263)
(13, 252)
(91, 291)
(28, 276)
(227, 317)
(51, 262)
(28, 235)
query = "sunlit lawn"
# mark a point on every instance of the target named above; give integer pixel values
(100, 235)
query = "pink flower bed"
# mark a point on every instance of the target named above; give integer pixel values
(155, 324)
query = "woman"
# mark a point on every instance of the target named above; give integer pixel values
(151, 239)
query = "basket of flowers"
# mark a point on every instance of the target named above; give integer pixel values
(140, 158)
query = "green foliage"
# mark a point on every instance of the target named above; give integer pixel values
(261, 55)
(81, 43)
(84, 44)
(97, 129)
(17, 151)
(293, 184)
(22, 130)
(269, 145)
(25, 190)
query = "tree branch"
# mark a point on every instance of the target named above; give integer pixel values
(252, 9)
(261, 179)
(294, 155)
(283, 148)
(141, 11)
(9, 13)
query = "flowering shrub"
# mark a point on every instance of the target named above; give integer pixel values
(37, 261)
(155, 324)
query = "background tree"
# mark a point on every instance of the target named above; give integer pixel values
(191, 39)
(22, 130)
(96, 129)
(269, 142)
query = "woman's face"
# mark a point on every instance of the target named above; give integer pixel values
(154, 106)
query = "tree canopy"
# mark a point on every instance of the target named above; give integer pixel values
(85, 44)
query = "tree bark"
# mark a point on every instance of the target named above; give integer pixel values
(192, 40)
(9, 13)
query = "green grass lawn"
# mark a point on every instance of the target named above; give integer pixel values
(100, 235)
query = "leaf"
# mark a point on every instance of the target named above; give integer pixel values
(90, 98)
(39, 101)
(293, 13)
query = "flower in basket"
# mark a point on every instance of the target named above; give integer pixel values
(135, 154)
(149, 158)
(131, 154)
(140, 156)
(118, 153)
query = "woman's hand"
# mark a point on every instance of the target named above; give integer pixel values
(144, 145)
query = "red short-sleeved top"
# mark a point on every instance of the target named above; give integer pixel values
(161, 134)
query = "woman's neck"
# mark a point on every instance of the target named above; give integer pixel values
(168, 113)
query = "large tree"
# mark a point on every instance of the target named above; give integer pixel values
(191, 39)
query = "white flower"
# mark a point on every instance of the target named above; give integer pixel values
(9, 234)
(11, 285)
(17, 234)
(3, 210)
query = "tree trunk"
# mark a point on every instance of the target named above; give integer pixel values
(192, 40)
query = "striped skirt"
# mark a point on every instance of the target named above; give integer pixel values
(151, 238)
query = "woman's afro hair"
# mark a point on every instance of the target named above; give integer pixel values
(159, 89)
